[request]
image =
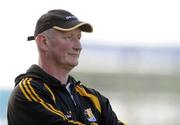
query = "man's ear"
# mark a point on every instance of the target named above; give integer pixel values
(42, 42)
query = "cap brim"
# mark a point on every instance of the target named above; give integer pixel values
(85, 27)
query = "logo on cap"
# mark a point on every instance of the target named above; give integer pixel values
(70, 17)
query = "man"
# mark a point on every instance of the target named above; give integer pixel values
(46, 93)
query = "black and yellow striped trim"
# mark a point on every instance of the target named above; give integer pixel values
(30, 94)
(23, 91)
(50, 91)
(93, 98)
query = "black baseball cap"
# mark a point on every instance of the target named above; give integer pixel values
(60, 20)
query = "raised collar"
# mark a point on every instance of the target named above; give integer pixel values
(37, 72)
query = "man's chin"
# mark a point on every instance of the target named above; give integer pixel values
(75, 64)
(72, 65)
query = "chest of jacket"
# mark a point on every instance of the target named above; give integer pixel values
(77, 105)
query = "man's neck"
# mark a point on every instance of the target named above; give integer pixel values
(59, 73)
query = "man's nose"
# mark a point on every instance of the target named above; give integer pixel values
(77, 45)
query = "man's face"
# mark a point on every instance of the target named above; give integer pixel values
(64, 48)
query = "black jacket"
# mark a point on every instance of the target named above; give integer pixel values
(39, 98)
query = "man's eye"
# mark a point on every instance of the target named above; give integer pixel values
(79, 37)
(69, 37)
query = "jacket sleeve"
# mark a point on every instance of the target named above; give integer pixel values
(108, 115)
(30, 103)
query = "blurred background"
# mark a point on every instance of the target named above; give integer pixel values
(132, 57)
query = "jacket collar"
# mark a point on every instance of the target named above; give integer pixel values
(36, 72)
